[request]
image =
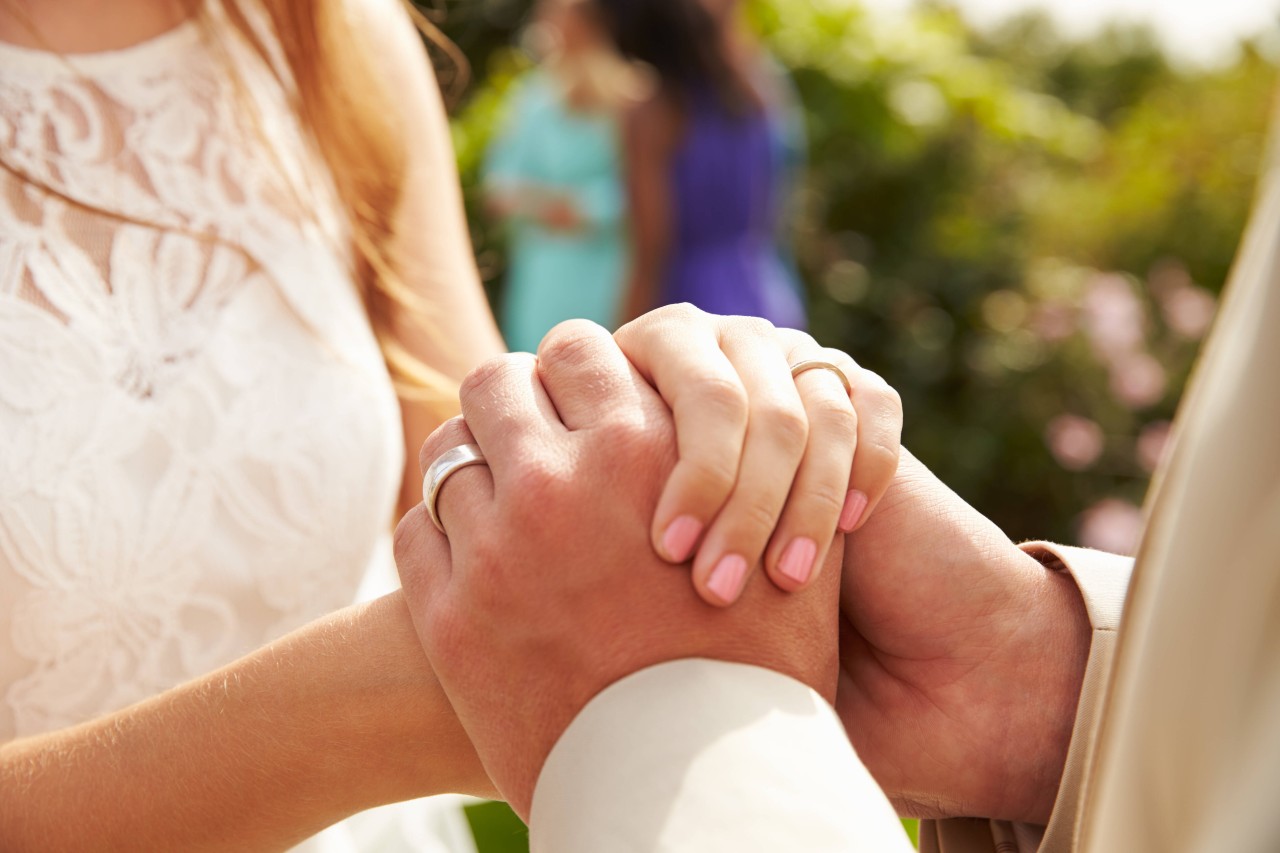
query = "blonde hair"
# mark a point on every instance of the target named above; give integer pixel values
(350, 110)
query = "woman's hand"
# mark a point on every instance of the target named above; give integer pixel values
(770, 466)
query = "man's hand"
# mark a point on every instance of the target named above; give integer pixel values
(554, 591)
(961, 658)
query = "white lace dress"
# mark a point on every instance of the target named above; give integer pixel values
(200, 446)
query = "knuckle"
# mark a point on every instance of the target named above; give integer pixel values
(714, 475)
(485, 381)
(757, 520)
(885, 407)
(876, 456)
(825, 502)
(796, 341)
(751, 327)
(834, 415)
(874, 386)
(569, 343)
(679, 312)
(722, 396)
(786, 424)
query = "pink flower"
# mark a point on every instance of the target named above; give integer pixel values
(1189, 311)
(1074, 441)
(1153, 443)
(1111, 525)
(1113, 316)
(1053, 321)
(1137, 380)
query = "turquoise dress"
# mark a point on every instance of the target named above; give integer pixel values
(554, 276)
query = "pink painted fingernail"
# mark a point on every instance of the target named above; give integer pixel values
(855, 503)
(797, 559)
(727, 577)
(680, 537)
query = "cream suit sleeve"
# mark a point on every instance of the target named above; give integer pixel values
(1103, 581)
(709, 757)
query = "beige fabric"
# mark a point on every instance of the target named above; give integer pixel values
(1180, 753)
(1188, 757)
(1102, 579)
(701, 756)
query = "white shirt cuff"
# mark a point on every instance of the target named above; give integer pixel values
(713, 757)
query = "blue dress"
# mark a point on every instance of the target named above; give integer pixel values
(552, 275)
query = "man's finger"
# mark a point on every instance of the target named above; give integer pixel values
(508, 410)
(461, 496)
(585, 374)
(423, 561)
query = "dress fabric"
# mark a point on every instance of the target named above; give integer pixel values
(726, 188)
(548, 148)
(201, 445)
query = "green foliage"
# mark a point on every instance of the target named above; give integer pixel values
(497, 829)
(963, 191)
(1023, 233)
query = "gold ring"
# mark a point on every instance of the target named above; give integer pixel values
(817, 364)
(452, 460)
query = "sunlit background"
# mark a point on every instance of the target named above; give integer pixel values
(1021, 212)
(1192, 30)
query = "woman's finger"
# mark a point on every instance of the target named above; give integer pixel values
(777, 431)
(875, 461)
(879, 429)
(813, 510)
(677, 350)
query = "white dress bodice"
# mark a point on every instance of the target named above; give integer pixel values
(200, 446)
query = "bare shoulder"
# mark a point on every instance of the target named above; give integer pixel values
(391, 40)
(395, 50)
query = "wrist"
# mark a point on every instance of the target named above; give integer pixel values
(1052, 643)
(402, 715)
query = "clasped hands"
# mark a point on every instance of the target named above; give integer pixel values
(953, 658)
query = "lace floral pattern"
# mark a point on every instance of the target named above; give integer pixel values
(200, 445)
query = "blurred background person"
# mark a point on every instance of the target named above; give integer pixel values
(707, 155)
(553, 175)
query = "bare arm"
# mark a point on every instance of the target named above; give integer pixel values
(431, 246)
(649, 135)
(340, 716)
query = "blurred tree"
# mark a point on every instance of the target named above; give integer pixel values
(967, 191)
(1025, 234)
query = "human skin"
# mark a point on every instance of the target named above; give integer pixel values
(578, 449)
(961, 658)
(342, 715)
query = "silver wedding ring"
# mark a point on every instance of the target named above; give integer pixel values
(453, 459)
(817, 364)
